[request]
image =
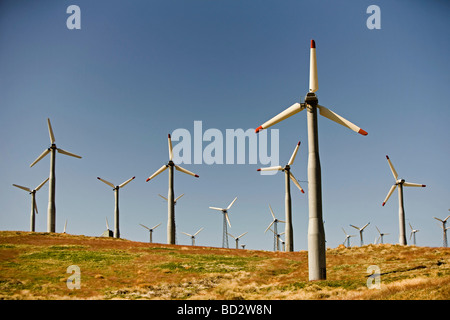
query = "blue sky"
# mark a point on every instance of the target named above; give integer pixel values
(138, 70)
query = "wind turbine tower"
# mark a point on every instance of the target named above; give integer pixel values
(33, 202)
(400, 183)
(226, 220)
(444, 229)
(316, 233)
(116, 206)
(171, 233)
(288, 206)
(51, 213)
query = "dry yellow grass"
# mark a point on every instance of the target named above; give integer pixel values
(33, 266)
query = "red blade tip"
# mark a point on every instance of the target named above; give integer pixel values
(298, 143)
(387, 157)
(258, 129)
(258, 169)
(302, 191)
(423, 185)
(384, 203)
(147, 180)
(361, 131)
(313, 44)
(196, 175)
(168, 135)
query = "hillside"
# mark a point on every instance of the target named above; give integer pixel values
(34, 266)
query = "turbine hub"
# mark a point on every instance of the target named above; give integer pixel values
(311, 99)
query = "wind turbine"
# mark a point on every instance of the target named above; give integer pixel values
(171, 203)
(237, 238)
(193, 235)
(316, 233)
(288, 206)
(361, 231)
(51, 215)
(225, 220)
(33, 202)
(174, 201)
(444, 229)
(381, 235)
(107, 233)
(413, 233)
(150, 230)
(65, 226)
(401, 211)
(276, 244)
(116, 207)
(277, 236)
(347, 238)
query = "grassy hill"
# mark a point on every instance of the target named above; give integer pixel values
(34, 266)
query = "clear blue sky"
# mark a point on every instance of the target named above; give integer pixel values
(138, 70)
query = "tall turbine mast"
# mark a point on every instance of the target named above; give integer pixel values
(51, 213)
(316, 233)
(171, 233)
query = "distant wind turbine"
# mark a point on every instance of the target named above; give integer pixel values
(116, 207)
(401, 211)
(192, 236)
(381, 235)
(316, 233)
(288, 205)
(361, 231)
(174, 201)
(107, 233)
(237, 238)
(150, 230)
(226, 220)
(65, 227)
(276, 242)
(278, 239)
(171, 233)
(444, 229)
(347, 238)
(33, 202)
(413, 234)
(51, 215)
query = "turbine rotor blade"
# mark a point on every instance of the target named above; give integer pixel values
(365, 226)
(273, 221)
(232, 203)
(126, 182)
(410, 184)
(144, 226)
(170, 147)
(344, 231)
(354, 227)
(23, 188)
(164, 167)
(228, 219)
(294, 154)
(327, 113)
(35, 205)
(271, 211)
(392, 168)
(42, 183)
(270, 168)
(242, 235)
(43, 154)
(163, 197)
(313, 80)
(67, 153)
(156, 226)
(295, 181)
(107, 225)
(186, 171)
(107, 182)
(215, 208)
(295, 108)
(189, 235)
(198, 231)
(389, 193)
(179, 197)
(231, 235)
(50, 131)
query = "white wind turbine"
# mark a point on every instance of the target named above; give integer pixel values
(400, 183)
(107, 233)
(444, 229)
(316, 234)
(33, 202)
(413, 233)
(51, 215)
(65, 226)
(116, 206)
(276, 243)
(288, 206)
(150, 231)
(381, 235)
(361, 232)
(171, 238)
(192, 236)
(237, 238)
(347, 238)
(278, 238)
(225, 220)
